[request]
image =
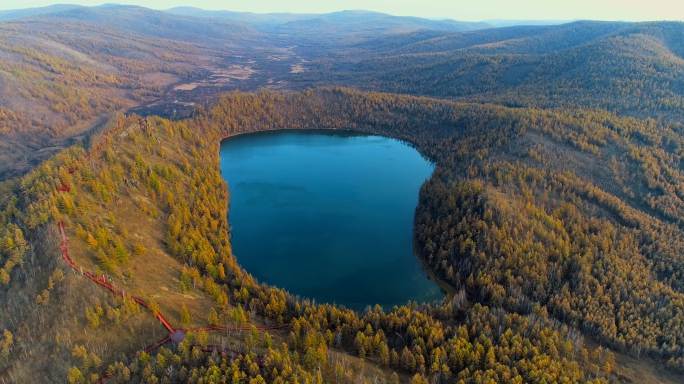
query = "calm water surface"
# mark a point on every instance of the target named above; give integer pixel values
(327, 215)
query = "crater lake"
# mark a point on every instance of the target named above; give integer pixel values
(328, 215)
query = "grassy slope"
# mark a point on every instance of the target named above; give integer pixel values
(46, 331)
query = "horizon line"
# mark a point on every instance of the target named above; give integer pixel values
(487, 20)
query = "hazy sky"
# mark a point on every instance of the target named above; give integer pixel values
(454, 9)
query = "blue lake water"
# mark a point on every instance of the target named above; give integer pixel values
(328, 215)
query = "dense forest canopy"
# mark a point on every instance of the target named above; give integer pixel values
(545, 254)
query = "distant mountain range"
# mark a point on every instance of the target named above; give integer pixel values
(347, 19)
(15, 14)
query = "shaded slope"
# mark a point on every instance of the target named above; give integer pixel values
(623, 67)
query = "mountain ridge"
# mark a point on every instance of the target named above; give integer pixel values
(581, 64)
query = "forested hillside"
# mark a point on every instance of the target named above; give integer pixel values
(150, 192)
(630, 68)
